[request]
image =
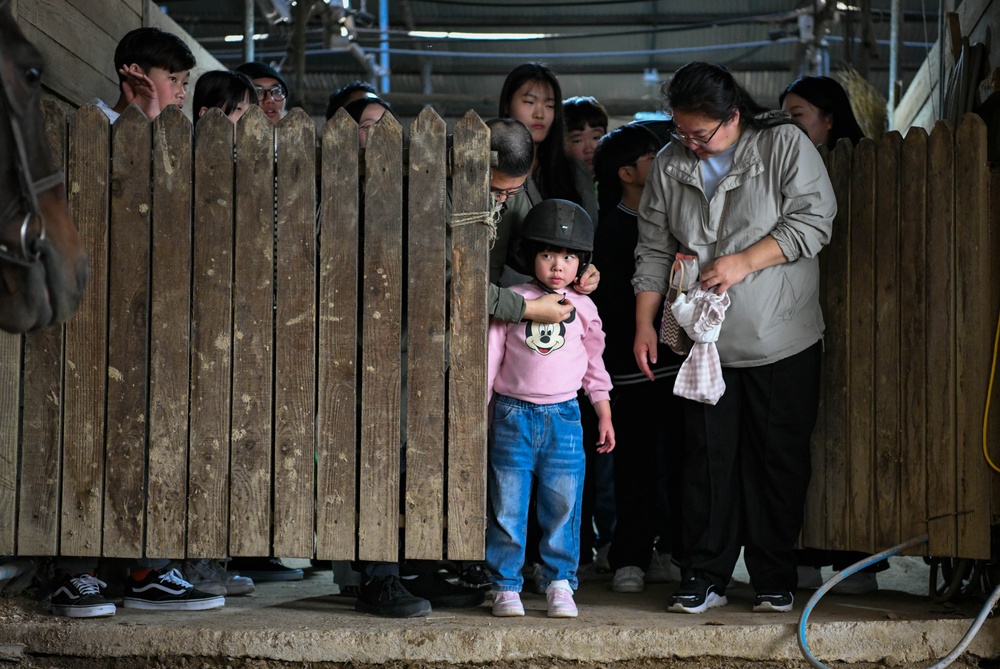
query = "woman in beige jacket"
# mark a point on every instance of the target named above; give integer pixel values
(747, 193)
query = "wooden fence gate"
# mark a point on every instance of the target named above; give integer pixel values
(232, 383)
(911, 287)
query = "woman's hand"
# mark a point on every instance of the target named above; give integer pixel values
(724, 272)
(549, 308)
(587, 283)
(645, 348)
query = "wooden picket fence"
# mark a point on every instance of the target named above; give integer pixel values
(911, 298)
(232, 383)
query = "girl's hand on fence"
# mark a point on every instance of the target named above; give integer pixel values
(550, 308)
(587, 283)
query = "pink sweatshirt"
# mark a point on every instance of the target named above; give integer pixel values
(547, 364)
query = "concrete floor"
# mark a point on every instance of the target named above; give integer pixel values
(307, 621)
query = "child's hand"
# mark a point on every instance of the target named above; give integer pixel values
(139, 88)
(606, 443)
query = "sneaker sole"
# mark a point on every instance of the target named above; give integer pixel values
(187, 605)
(96, 611)
(241, 590)
(508, 612)
(412, 612)
(712, 601)
(271, 576)
(629, 588)
(768, 607)
(564, 613)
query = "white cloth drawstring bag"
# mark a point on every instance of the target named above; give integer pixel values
(701, 313)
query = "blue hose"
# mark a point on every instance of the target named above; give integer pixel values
(878, 557)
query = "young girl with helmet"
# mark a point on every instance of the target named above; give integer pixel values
(535, 371)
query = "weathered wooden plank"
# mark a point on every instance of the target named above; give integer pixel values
(942, 526)
(170, 338)
(38, 523)
(295, 338)
(426, 326)
(814, 515)
(993, 433)
(837, 356)
(10, 419)
(378, 483)
(886, 475)
(211, 337)
(79, 55)
(467, 355)
(86, 372)
(128, 334)
(861, 365)
(973, 344)
(41, 443)
(336, 416)
(913, 310)
(253, 338)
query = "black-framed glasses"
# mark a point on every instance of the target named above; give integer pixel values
(277, 93)
(506, 192)
(681, 137)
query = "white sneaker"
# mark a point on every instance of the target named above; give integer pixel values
(210, 576)
(662, 569)
(507, 604)
(559, 598)
(628, 579)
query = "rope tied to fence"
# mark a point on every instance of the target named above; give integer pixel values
(490, 219)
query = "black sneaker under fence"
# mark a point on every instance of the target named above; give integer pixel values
(387, 597)
(166, 590)
(80, 596)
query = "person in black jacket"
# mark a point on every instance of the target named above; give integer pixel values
(650, 451)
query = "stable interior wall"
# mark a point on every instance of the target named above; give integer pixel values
(78, 40)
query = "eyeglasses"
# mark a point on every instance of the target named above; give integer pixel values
(681, 137)
(277, 93)
(506, 192)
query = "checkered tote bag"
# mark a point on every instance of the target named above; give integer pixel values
(701, 313)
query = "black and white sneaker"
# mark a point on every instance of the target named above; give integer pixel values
(80, 597)
(773, 602)
(387, 597)
(696, 595)
(476, 575)
(166, 590)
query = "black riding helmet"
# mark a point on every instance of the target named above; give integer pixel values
(555, 224)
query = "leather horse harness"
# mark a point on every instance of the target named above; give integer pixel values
(27, 253)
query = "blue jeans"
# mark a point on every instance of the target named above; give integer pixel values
(543, 443)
